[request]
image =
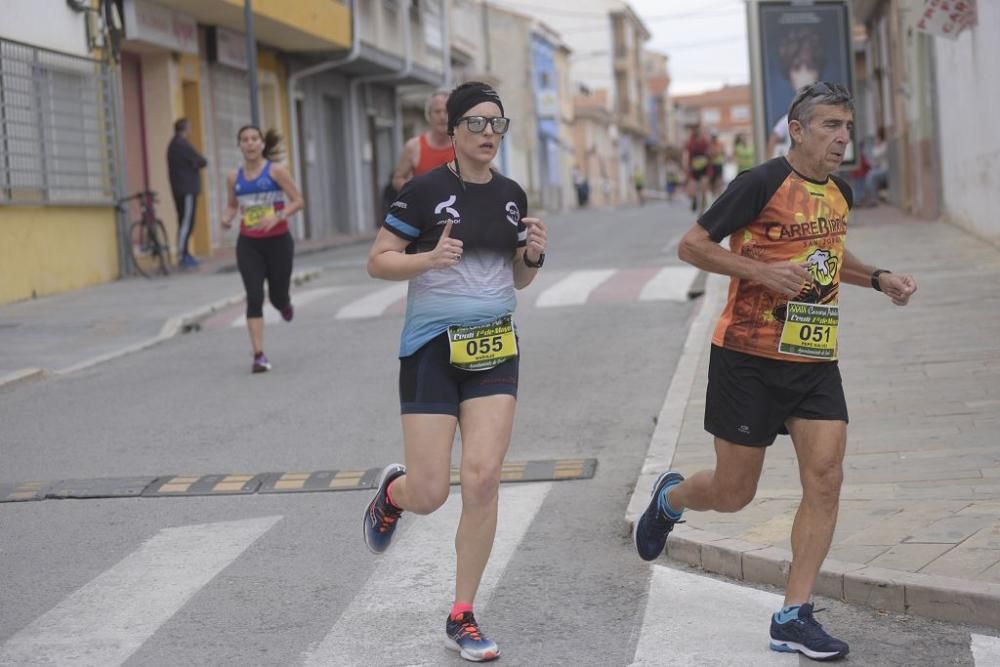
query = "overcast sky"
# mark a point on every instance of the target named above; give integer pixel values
(705, 39)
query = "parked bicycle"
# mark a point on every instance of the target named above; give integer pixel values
(149, 246)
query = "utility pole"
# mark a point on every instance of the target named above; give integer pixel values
(251, 62)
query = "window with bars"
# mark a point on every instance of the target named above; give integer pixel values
(56, 127)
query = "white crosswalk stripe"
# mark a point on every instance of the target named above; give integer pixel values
(107, 620)
(670, 284)
(682, 605)
(985, 650)
(400, 613)
(374, 304)
(574, 288)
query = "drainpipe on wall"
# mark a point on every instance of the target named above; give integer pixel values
(293, 81)
(356, 119)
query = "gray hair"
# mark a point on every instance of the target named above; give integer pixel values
(821, 93)
(440, 92)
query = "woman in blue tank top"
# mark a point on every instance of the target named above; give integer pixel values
(264, 195)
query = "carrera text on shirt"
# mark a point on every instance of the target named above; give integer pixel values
(771, 213)
(487, 219)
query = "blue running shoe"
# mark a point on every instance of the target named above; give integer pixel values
(651, 529)
(465, 637)
(381, 516)
(803, 634)
(288, 312)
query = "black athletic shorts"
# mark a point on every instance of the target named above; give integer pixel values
(429, 384)
(749, 397)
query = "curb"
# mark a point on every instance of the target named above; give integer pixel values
(931, 596)
(21, 375)
(173, 326)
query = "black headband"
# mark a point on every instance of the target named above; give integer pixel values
(467, 96)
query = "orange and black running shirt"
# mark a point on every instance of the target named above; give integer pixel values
(771, 213)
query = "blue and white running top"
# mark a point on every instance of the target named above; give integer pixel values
(487, 219)
(259, 198)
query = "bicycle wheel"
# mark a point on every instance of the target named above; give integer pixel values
(162, 246)
(149, 248)
(139, 247)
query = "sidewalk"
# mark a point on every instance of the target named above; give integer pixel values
(919, 525)
(67, 332)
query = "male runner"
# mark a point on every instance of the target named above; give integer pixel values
(773, 366)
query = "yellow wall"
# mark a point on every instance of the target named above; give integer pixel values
(161, 92)
(268, 61)
(330, 21)
(44, 250)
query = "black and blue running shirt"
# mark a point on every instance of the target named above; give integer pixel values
(487, 219)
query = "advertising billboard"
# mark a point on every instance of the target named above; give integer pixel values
(793, 44)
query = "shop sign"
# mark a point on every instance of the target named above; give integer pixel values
(231, 48)
(946, 18)
(160, 26)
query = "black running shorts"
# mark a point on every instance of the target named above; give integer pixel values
(429, 384)
(749, 398)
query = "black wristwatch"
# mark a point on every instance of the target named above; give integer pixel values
(875, 275)
(534, 265)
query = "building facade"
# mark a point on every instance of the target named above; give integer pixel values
(59, 167)
(920, 64)
(127, 82)
(726, 112)
(350, 110)
(658, 148)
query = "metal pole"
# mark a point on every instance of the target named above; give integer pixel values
(251, 62)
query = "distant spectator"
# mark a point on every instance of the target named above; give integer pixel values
(582, 187)
(183, 164)
(877, 177)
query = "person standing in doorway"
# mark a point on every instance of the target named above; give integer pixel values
(429, 150)
(264, 195)
(773, 365)
(184, 164)
(459, 234)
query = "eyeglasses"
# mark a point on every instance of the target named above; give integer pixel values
(477, 124)
(817, 89)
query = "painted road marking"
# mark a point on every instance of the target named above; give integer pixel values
(985, 650)
(108, 619)
(670, 284)
(374, 304)
(682, 618)
(398, 617)
(573, 289)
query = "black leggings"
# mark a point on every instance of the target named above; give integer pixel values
(265, 258)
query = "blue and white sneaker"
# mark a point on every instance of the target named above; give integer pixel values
(798, 631)
(465, 637)
(381, 516)
(652, 528)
